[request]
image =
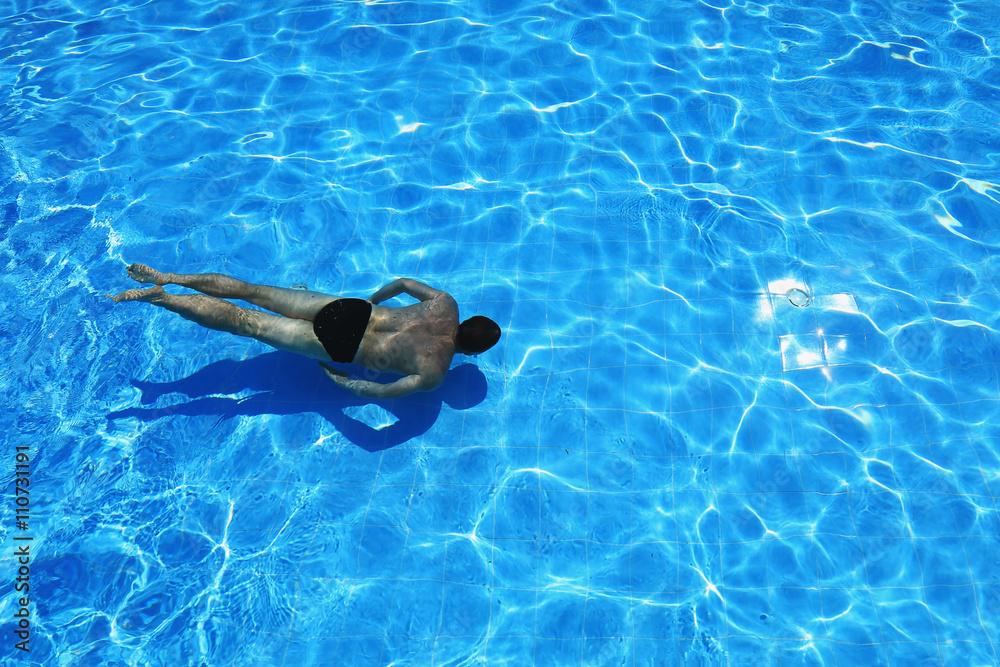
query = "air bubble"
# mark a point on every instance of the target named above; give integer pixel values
(798, 298)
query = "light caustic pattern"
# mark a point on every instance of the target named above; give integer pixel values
(743, 256)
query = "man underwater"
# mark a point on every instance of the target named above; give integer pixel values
(417, 341)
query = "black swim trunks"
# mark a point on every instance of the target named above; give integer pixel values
(341, 325)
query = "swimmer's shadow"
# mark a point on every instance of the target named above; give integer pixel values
(286, 384)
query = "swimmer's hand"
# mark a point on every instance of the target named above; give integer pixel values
(365, 389)
(335, 374)
(417, 290)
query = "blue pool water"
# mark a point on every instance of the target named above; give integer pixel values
(745, 407)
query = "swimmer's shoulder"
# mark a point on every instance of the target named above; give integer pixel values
(444, 302)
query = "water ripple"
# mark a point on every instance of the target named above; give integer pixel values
(743, 259)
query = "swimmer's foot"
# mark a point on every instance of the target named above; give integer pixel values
(145, 274)
(149, 295)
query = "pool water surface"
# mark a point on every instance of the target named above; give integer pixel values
(744, 407)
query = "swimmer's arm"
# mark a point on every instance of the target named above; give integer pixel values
(416, 289)
(365, 389)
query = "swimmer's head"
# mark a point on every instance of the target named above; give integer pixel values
(476, 335)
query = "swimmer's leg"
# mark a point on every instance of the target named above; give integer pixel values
(300, 304)
(283, 333)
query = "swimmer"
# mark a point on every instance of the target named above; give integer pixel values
(417, 341)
